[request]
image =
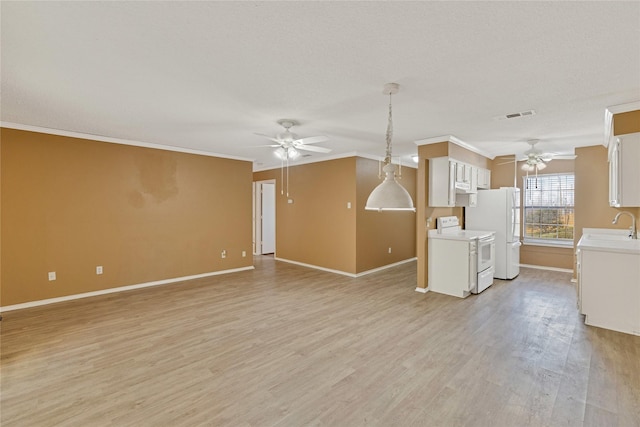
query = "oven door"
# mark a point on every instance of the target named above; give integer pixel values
(486, 252)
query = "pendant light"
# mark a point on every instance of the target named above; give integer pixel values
(389, 195)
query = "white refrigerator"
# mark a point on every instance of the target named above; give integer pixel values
(499, 210)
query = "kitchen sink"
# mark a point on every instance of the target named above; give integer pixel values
(608, 237)
(614, 240)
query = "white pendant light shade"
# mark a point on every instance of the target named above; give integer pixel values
(541, 166)
(389, 195)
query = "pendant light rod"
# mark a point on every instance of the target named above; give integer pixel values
(390, 89)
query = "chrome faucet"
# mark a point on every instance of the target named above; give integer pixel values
(632, 232)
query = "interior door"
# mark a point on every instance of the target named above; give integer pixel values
(268, 218)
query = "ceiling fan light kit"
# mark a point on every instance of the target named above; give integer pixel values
(287, 147)
(287, 153)
(389, 195)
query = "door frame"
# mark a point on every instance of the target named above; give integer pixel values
(257, 215)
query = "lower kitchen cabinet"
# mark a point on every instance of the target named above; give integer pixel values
(609, 289)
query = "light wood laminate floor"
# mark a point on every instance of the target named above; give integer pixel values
(284, 345)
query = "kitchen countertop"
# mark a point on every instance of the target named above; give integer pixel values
(610, 240)
(460, 234)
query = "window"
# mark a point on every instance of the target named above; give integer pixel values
(548, 209)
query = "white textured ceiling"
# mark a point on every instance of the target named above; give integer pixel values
(208, 75)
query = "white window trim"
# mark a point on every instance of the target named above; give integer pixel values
(552, 243)
(555, 243)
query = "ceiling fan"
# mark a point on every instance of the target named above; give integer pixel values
(536, 160)
(288, 145)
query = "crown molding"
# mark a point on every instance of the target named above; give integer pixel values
(454, 140)
(100, 138)
(336, 157)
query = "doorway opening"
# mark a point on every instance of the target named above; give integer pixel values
(264, 217)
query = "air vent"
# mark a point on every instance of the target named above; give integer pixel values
(516, 115)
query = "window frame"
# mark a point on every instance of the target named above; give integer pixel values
(548, 241)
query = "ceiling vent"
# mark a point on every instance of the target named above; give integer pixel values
(516, 115)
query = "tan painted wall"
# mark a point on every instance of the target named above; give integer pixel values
(628, 122)
(464, 155)
(503, 171)
(592, 192)
(70, 204)
(318, 228)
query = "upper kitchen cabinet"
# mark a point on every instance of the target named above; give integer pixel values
(484, 178)
(624, 170)
(453, 183)
(442, 182)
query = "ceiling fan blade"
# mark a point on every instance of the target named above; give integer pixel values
(312, 139)
(312, 148)
(268, 137)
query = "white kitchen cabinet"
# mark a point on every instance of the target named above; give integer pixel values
(462, 176)
(483, 178)
(465, 176)
(473, 178)
(460, 172)
(452, 183)
(469, 200)
(609, 283)
(442, 180)
(624, 170)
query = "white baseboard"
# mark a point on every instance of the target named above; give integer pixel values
(119, 289)
(422, 290)
(542, 267)
(384, 267)
(344, 273)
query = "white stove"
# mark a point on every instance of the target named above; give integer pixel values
(460, 262)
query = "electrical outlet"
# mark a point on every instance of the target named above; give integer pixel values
(244, 254)
(223, 254)
(389, 249)
(348, 205)
(99, 269)
(52, 276)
